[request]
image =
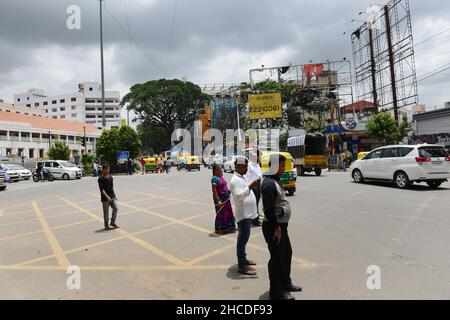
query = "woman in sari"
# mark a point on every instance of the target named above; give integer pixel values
(225, 222)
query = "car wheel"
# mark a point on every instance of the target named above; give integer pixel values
(35, 178)
(291, 192)
(434, 184)
(318, 171)
(401, 180)
(357, 176)
(65, 176)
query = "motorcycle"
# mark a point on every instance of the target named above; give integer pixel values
(45, 174)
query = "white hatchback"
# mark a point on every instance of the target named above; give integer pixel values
(404, 165)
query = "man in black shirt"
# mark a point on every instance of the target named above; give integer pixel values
(277, 212)
(108, 198)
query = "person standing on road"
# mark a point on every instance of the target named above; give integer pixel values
(224, 222)
(277, 212)
(143, 165)
(108, 198)
(243, 202)
(255, 173)
(96, 173)
(129, 166)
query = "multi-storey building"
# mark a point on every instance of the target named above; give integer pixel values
(82, 106)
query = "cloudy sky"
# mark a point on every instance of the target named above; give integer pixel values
(214, 41)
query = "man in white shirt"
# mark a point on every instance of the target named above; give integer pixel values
(243, 202)
(255, 173)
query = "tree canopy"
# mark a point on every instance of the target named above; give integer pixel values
(59, 151)
(116, 140)
(167, 104)
(385, 129)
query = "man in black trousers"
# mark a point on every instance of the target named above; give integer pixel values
(277, 212)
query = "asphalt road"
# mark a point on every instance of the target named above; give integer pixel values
(165, 249)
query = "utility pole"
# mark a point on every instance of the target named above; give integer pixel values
(85, 141)
(102, 64)
(373, 68)
(391, 61)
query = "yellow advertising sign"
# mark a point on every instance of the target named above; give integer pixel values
(265, 106)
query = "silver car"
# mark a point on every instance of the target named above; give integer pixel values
(25, 174)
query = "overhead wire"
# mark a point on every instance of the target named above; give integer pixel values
(135, 41)
(171, 37)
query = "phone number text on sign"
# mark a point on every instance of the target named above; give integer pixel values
(265, 106)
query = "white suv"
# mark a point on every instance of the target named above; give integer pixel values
(404, 165)
(62, 169)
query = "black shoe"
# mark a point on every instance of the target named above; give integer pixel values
(282, 296)
(294, 288)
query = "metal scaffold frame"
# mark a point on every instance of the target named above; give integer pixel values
(384, 62)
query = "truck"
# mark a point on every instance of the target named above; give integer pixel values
(310, 152)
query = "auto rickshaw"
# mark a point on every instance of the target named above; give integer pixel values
(150, 165)
(289, 178)
(193, 163)
(362, 155)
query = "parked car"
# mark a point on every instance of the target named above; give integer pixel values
(2, 178)
(228, 166)
(11, 174)
(25, 174)
(404, 165)
(62, 169)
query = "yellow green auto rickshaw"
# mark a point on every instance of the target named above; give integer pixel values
(289, 178)
(150, 165)
(193, 163)
(362, 155)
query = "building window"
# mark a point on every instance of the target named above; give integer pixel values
(74, 107)
(62, 109)
(29, 105)
(55, 117)
(90, 89)
(18, 112)
(8, 110)
(54, 102)
(46, 110)
(36, 104)
(63, 117)
(28, 98)
(73, 99)
(62, 101)
(26, 113)
(54, 110)
(74, 115)
(45, 103)
(18, 99)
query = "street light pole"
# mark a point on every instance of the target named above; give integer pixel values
(102, 66)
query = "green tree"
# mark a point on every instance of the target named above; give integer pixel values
(167, 104)
(116, 140)
(385, 129)
(316, 126)
(59, 151)
(154, 139)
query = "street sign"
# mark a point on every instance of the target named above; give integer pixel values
(265, 106)
(122, 156)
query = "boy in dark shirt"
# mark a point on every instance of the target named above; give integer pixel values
(108, 198)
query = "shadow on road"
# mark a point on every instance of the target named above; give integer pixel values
(264, 296)
(235, 275)
(413, 187)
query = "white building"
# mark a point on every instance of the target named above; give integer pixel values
(82, 106)
(6, 107)
(31, 136)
